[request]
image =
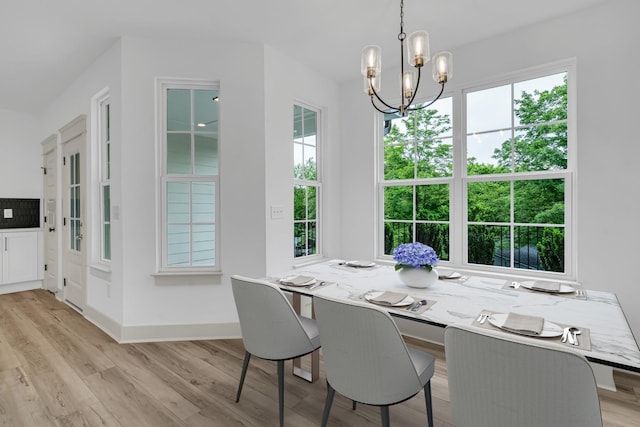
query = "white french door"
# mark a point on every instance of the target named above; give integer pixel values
(73, 208)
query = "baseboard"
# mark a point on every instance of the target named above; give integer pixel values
(10, 288)
(209, 331)
(155, 333)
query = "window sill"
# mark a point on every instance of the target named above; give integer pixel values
(165, 273)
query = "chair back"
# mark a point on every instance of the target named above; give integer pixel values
(498, 380)
(365, 357)
(270, 327)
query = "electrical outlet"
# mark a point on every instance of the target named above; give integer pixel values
(277, 211)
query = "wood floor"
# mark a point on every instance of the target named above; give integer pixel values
(57, 369)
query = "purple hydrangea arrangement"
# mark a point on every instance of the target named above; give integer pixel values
(416, 255)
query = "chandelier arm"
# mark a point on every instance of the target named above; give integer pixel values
(373, 90)
(393, 110)
(431, 102)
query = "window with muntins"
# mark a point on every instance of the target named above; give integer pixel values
(306, 188)
(190, 180)
(489, 188)
(105, 181)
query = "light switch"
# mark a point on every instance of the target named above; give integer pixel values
(8, 213)
(277, 211)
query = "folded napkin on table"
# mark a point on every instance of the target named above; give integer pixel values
(523, 324)
(546, 286)
(295, 280)
(389, 297)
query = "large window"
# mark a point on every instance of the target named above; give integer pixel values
(418, 171)
(306, 183)
(497, 198)
(189, 194)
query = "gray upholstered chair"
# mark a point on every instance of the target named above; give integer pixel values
(271, 329)
(502, 380)
(366, 358)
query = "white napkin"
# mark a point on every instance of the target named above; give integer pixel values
(295, 280)
(540, 285)
(389, 297)
(522, 323)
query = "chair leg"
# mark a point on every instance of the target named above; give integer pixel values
(384, 414)
(327, 405)
(245, 365)
(429, 403)
(353, 405)
(281, 390)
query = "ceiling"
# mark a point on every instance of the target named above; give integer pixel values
(45, 44)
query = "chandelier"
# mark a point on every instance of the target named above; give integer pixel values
(417, 56)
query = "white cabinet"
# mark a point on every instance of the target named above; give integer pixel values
(20, 256)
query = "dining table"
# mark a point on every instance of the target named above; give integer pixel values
(483, 300)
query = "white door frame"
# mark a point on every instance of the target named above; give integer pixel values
(51, 209)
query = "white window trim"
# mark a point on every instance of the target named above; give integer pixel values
(161, 86)
(317, 184)
(96, 152)
(458, 225)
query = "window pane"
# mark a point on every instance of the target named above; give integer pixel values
(299, 239)
(178, 201)
(178, 109)
(396, 233)
(398, 203)
(178, 245)
(489, 245)
(432, 202)
(436, 236)
(179, 153)
(489, 201)
(540, 100)
(310, 127)
(106, 203)
(297, 124)
(203, 248)
(539, 201)
(541, 148)
(489, 109)
(489, 153)
(298, 161)
(311, 202)
(551, 249)
(206, 154)
(310, 163)
(399, 161)
(205, 110)
(203, 202)
(106, 250)
(311, 238)
(299, 202)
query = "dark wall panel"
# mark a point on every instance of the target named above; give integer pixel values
(26, 213)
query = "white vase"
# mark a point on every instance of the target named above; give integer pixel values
(418, 277)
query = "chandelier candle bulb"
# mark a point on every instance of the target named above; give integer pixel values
(418, 48)
(442, 67)
(409, 78)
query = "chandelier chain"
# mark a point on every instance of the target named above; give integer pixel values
(402, 35)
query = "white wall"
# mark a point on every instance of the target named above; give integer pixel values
(603, 41)
(21, 155)
(288, 82)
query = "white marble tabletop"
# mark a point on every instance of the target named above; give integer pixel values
(461, 300)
